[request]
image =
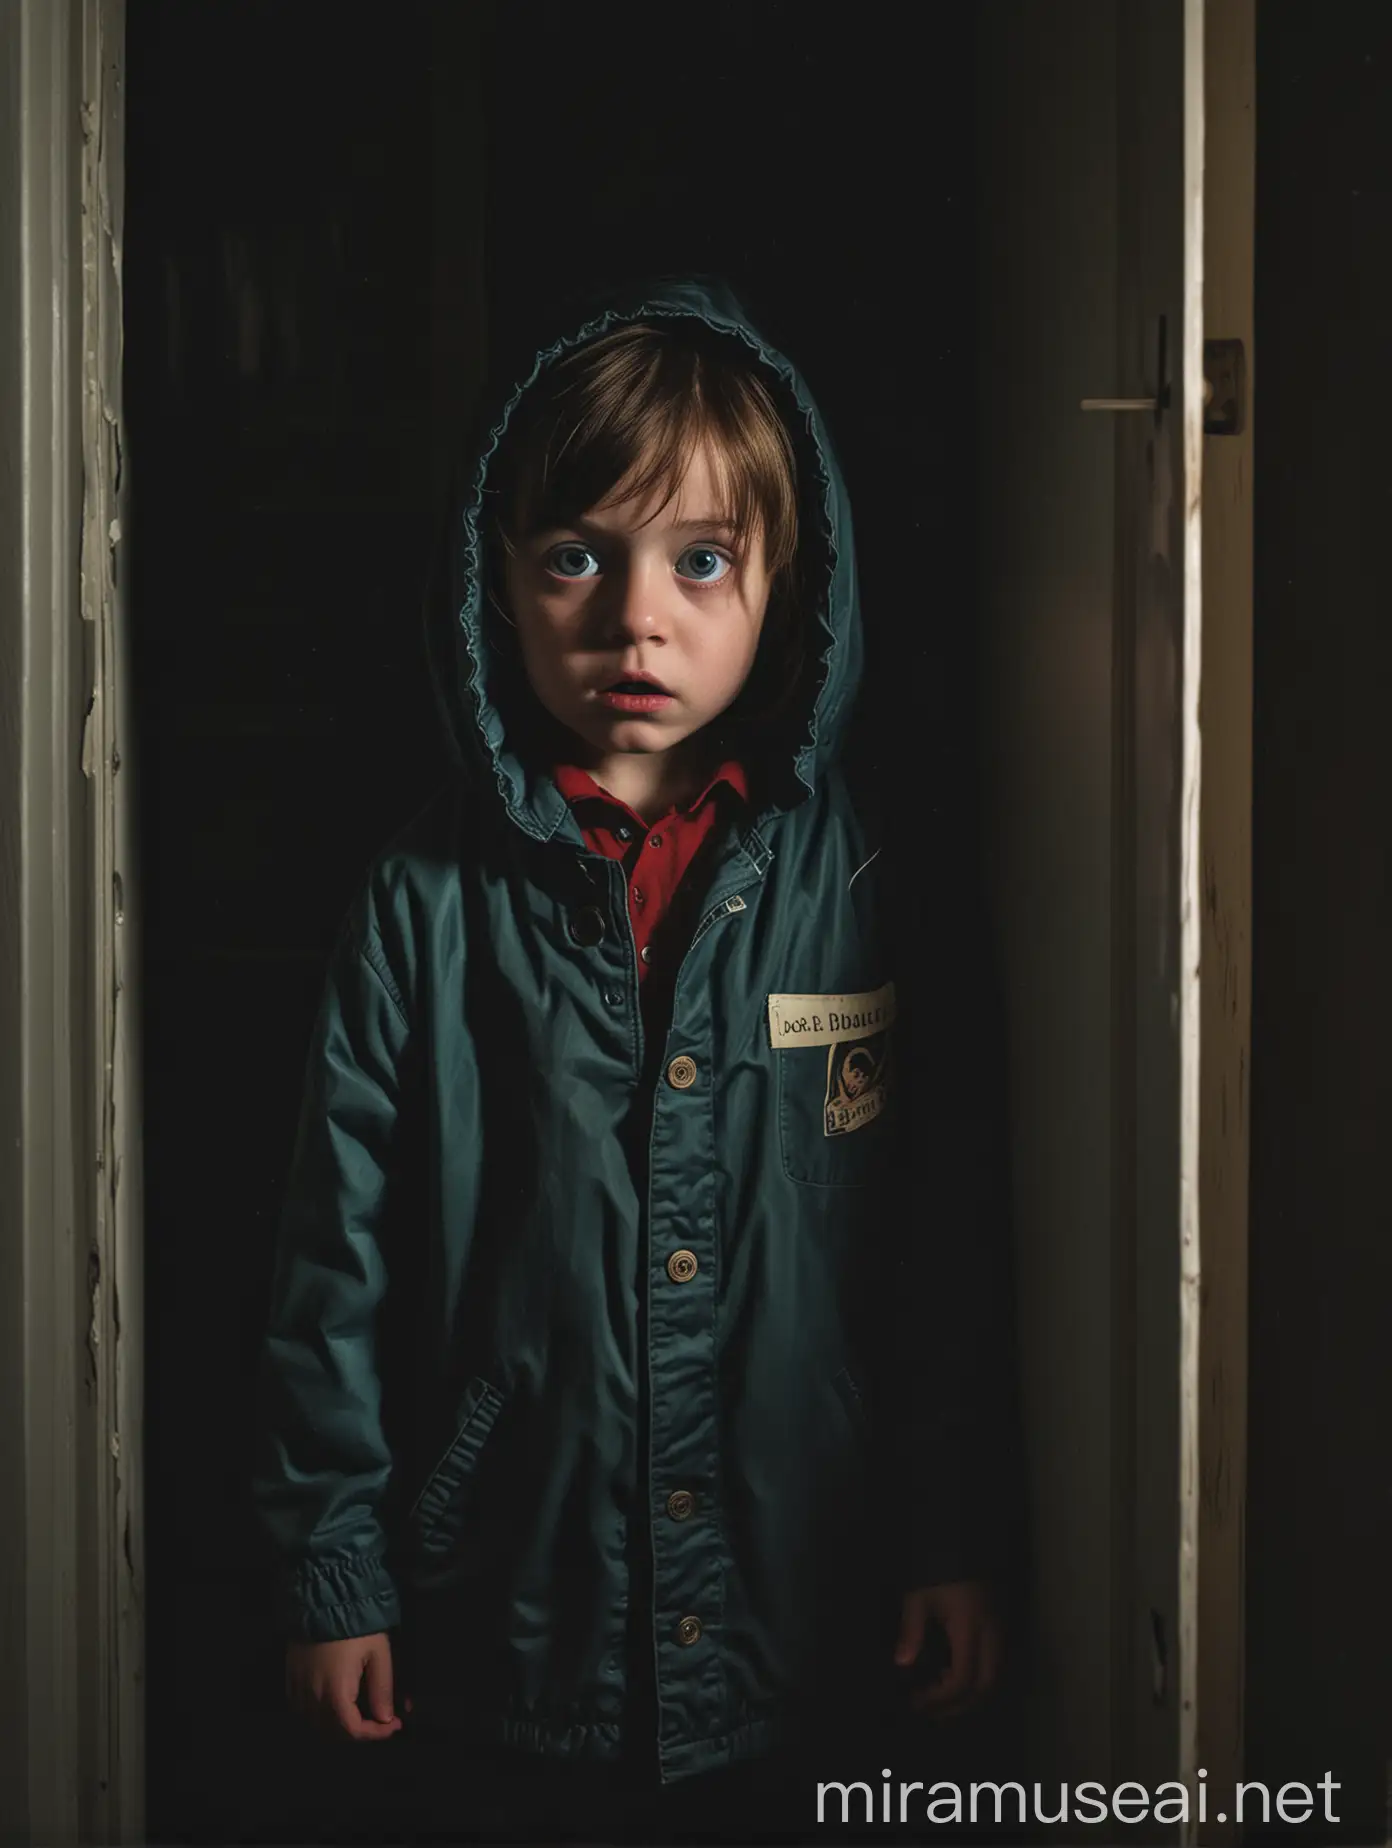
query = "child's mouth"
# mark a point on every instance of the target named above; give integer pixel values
(634, 696)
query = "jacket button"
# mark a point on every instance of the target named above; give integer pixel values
(587, 926)
(682, 1266)
(682, 1072)
(681, 1504)
(689, 1630)
(613, 996)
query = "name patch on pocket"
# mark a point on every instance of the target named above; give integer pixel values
(825, 1020)
(855, 1031)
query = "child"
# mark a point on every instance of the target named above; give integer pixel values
(594, 1371)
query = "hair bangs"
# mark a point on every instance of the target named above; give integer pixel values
(621, 418)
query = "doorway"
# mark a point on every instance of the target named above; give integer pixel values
(320, 236)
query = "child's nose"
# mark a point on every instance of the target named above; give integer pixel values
(635, 607)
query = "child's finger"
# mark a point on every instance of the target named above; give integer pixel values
(343, 1707)
(958, 1680)
(912, 1624)
(931, 1700)
(988, 1666)
(377, 1682)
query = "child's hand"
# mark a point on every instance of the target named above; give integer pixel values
(967, 1614)
(322, 1682)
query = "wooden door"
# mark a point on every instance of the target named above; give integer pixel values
(1119, 853)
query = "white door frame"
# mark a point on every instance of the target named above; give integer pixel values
(1215, 1474)
(72, 1736)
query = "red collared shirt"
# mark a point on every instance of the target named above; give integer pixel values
(662, 901)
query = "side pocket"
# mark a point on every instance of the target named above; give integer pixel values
(435, 1514)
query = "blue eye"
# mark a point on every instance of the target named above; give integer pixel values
(569, 560)
(707, 565)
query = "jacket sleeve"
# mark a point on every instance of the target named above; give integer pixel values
(956, 1449)
(322, 1460)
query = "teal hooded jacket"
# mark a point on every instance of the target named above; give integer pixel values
(589, 1360)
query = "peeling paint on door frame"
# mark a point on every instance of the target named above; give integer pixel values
(72, 1742)
(117, 1482)
(1190, 896)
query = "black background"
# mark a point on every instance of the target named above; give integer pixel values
(1319, 1493)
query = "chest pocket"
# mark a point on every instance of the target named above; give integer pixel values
(836, 1085)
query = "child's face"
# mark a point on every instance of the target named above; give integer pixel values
(610, 597)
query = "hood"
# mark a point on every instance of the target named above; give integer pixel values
(475, 672)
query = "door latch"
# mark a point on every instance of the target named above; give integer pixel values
(1225, 388)
(1224, 396)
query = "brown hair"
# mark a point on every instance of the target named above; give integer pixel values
(628, 410)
